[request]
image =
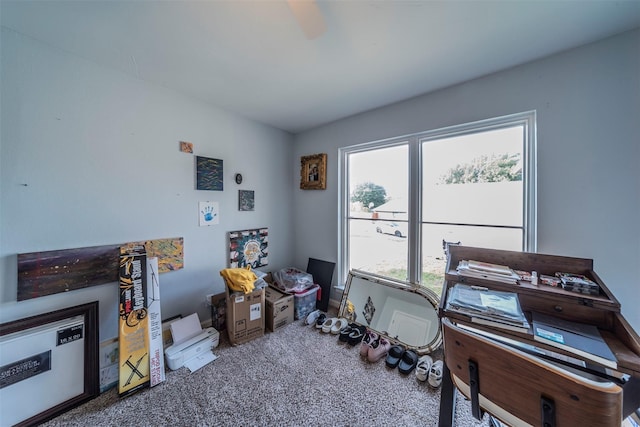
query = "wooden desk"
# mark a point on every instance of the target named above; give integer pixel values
(601, 310)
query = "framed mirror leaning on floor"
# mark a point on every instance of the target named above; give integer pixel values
(405, 314)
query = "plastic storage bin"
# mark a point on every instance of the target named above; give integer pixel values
(305, 302)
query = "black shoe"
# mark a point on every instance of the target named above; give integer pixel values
(321, 320)
(408, 362)
(394, 356)
(356, 334)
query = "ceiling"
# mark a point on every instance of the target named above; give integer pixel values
(252, 58)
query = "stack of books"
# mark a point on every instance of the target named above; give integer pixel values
(488, 307)
(487, 271)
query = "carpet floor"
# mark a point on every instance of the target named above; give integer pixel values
(296, 376)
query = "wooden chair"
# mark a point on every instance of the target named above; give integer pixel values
(519, 388)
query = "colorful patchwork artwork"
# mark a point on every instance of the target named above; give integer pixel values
(249, 247)
(209, 174)
(170, 253)
(51, 272)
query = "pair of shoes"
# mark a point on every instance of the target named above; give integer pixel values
(405, 360)
(423, 367)
(356, 335)
(435, 374)
(344, 332)
(394, 356)
(320, 320)
(334, 325)
(312, 317)
(378, 349)
(352, 333)
(368, 339)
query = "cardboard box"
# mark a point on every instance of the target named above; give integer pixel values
(245, 316)
(279, 309)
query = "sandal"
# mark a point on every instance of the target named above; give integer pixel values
(339, 324)
(395, 355)
(356, 335)
(408, 362)
(344, 332)
(328, 324)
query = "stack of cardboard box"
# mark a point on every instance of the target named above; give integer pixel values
(245, 315)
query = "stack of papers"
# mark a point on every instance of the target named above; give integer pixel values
(487, 271)
(488, 307)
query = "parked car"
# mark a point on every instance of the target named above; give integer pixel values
(398, 229)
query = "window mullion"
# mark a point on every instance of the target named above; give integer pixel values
(414, 214)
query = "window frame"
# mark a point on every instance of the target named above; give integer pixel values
(415, 142)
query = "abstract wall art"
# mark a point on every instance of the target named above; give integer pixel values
(209, 174)
(50, 272)
(246, 200)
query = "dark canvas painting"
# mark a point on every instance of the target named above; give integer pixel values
(51, 272)
(245, 200)
(209, 174)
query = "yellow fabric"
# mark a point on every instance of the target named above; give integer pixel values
(239, 279)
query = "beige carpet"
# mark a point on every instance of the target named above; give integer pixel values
(294, 377)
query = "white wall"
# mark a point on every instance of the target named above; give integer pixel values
(79, 142)
(588, 122)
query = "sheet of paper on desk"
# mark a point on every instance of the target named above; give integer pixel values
(200, 360)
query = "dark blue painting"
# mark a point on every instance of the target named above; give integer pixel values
(209, 174)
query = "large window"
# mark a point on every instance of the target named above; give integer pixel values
(403, 199)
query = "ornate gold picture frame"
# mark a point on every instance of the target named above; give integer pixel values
(313, 172)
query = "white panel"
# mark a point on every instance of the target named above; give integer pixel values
(63, 381)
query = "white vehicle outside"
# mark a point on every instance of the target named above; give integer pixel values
(398, 229)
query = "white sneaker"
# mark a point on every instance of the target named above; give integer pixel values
(423, 367)
(435, 374)
(340, 323)
(328, 324)
(312, 317)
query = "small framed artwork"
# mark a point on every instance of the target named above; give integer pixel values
(313, 172)
(209, 174)
(246, 200)
(209, 213)
(186, 147)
